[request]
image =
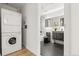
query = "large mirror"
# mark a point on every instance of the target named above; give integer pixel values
(48, 22)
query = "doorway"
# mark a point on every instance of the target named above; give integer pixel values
(52, 29)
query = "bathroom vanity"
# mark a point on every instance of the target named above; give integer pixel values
(58, 37)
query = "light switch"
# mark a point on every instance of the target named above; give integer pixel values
(25, 26)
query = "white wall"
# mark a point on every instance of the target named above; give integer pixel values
(67, 29)
(71, 29)
(75, 29)
(24, 33)
(32, 18)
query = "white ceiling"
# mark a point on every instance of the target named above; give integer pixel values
(45, 7)
(17, 5)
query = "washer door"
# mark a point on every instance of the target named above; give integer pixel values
(12, 41)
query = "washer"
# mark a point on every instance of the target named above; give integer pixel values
(11, 43)
(10, 31)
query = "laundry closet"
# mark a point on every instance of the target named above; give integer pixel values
(10, 31)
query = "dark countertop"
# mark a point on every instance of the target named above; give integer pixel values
(59, 31)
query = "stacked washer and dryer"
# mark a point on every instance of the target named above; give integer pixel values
(10, 31)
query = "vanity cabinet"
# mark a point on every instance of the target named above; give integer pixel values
(58, 35)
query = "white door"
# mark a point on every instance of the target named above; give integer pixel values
(10, 23)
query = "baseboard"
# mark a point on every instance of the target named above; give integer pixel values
(31, 51)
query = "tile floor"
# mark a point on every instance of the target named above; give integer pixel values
(51, 49)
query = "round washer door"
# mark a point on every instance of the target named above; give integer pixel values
(12, 41)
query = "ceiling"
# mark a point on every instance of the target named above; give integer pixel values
(17, 5)
(45, 7)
